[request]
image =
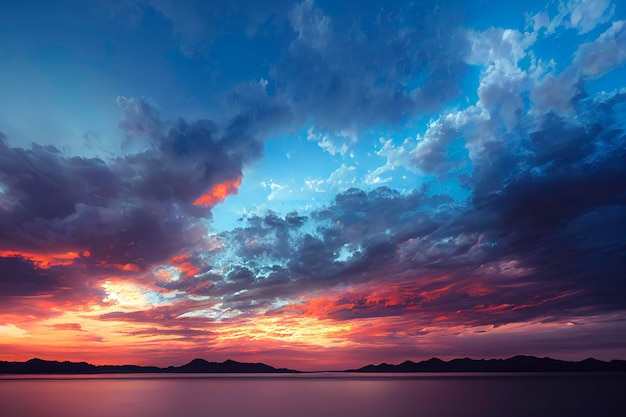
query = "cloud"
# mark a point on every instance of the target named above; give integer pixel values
(499, 109)
(196, 24)
(535, 235)
(376, 63)
(279, 257)
(12, 331)
(140, 119)
(67, 326)
(540, 220)
(428, 154)
(502, 81)
(597, 58)
(592, 60)
(340, 179)
(275, 188)
(21, 277)
(510, 100)
(333, 145)
(582, 15)
(60, 213)
(524, 166)
(408, 60)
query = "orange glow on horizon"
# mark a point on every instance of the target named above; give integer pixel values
(284, 337)
(42, 260)
(131, 320)
(219, 192)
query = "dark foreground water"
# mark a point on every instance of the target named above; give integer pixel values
(315, 395)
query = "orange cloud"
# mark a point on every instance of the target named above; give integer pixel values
(127, 267)
(219, 192)
(43, 261)
(121, 267)
(184, 265)
(381, 298)
(67, 326)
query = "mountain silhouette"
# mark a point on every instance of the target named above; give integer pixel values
(229, 366)
(39, 366)
(514, 364)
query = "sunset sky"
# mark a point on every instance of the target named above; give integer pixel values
(312, 184)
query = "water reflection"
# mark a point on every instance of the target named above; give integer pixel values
(312, 395)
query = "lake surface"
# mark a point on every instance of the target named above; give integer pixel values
(313, 395)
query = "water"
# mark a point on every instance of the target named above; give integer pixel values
(313, 395)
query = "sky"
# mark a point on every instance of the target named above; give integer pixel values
(312, 184)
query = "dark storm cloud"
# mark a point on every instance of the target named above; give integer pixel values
(566, 223)
(42, 174)
(256, 114)
(541, 238)
(27, 289)
(21, 277)
(127, 213)
(273, 256)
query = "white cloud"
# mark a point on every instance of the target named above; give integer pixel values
(340, 179)
(376, 180)
(502, 87)
(500, 106)
(337, 144)
(499, 51)
(274, 188)
(608, 52)
(315, 184)
(217, 313)
(582, 15)
(556, 92)
(342, 176)
(426, 153)
(497, 45)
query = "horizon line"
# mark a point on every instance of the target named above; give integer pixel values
(279, 369)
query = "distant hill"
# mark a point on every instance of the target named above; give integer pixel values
(514, 364)
(39, 366)
(202, 366)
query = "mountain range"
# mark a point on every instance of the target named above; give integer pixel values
(39, 366)
(514, 364)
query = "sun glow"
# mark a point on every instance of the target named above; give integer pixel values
(129, 296)
(297, 329)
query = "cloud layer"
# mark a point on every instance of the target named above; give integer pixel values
(511, 225)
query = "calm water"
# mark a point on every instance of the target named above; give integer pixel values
(314, 395)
